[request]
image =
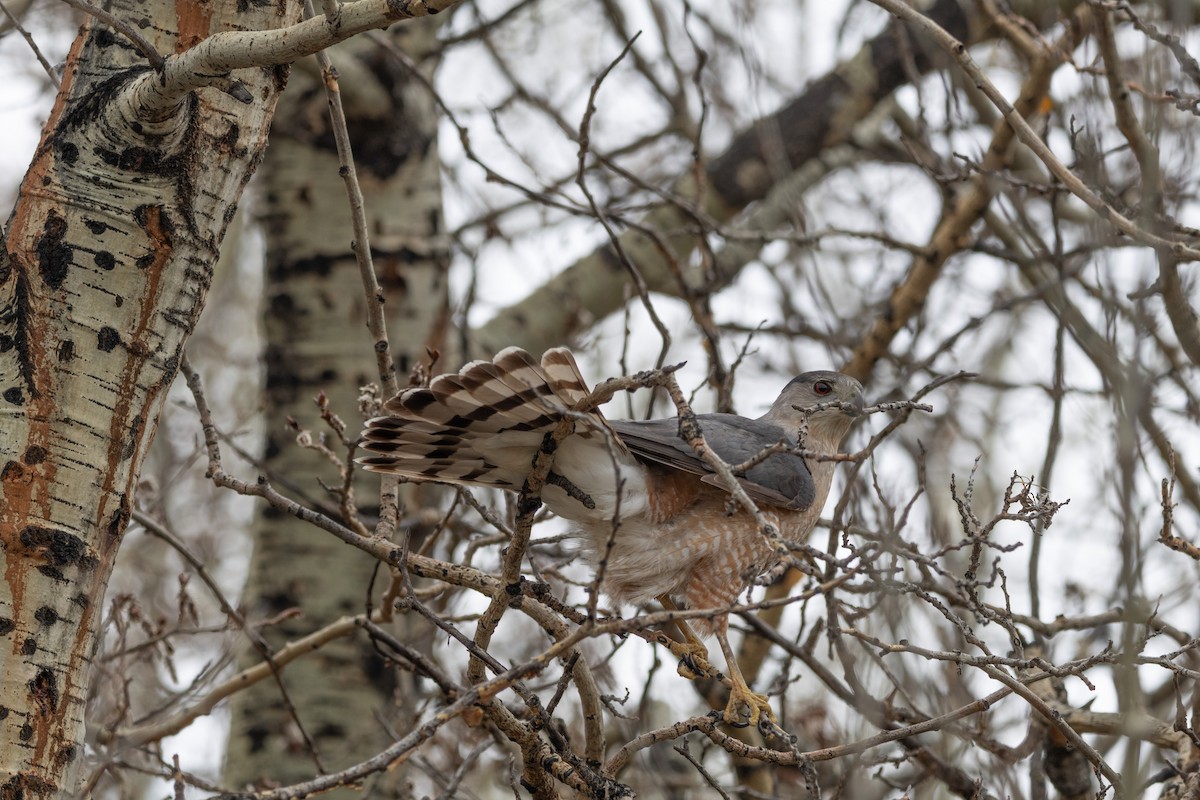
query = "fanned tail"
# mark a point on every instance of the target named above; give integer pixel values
(483, 425)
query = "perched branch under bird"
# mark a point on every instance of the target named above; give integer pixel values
(676, 537)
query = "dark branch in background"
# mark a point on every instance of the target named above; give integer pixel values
(1177, 246)
(964, 210)
(820, 118)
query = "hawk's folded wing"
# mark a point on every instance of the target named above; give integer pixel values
(780, 480)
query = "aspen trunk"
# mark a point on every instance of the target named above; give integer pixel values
(108, 257)
(316, 343)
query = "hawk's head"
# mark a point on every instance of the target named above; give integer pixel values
(829, 400)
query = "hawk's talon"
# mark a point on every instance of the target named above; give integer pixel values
(693, 659)
(691, 652)
(758, 707)
(746, 708)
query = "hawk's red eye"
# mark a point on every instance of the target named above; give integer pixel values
(822, 388)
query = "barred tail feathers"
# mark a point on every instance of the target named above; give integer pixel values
(483, 426)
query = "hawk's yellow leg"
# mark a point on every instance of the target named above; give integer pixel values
(740, 696)
(691, 652)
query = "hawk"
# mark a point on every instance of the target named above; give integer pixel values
(677, 537)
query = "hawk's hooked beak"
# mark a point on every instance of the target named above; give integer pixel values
(855, 407)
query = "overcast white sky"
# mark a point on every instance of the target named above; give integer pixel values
(791, 43)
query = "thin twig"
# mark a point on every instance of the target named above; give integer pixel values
(37, 51)
(140, 43)
(1178, 248)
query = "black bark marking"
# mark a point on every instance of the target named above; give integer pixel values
(331, 730)
(46, 616)
(257, 734)
(610, 260)
(81, 600)
(54, 255)
(229, 142)
(23, 313)
(67, 152)
(105, 260)
(108, 339)
(25, 734)
(53, 573)
(6, 627)
(58, 548)
(44, 689)
(281, 304)
(321, 266)
(67, 754)
(279, 76)
(66, 351)
(34, 455)
(12, 471)
(375, 147)
(142, 159)
(95, 226)
(280, 601)
(154, 219)
(6, 343)
(14, 395)
(118, 520)
(29, 646)
(26, 785)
